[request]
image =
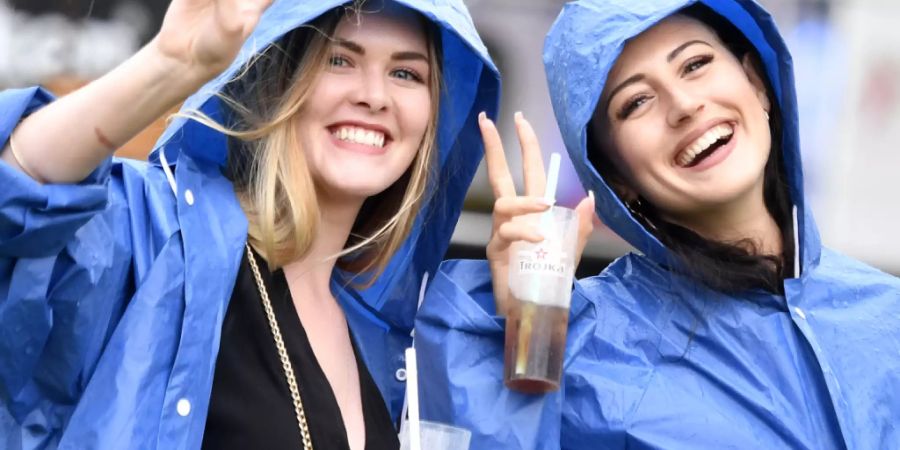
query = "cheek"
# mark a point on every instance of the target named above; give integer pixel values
(636, 149)
(414, 113)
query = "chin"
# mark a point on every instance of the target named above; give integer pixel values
(360, 189)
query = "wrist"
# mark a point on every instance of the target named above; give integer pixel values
(170, 77)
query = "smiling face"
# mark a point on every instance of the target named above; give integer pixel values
(684, 122)
(368, 111)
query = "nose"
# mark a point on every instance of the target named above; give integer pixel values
(684, 107)
(371, 92)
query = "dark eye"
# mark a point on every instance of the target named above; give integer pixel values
(696, 63)
(631, 105)
(407, 75)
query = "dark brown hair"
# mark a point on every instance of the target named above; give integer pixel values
(723, 266)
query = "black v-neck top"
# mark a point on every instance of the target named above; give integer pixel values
(251, 404)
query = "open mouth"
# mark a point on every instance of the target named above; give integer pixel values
(705, 145)
(360, 135)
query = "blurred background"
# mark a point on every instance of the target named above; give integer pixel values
(846, 57)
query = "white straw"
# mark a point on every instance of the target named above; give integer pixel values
(552, 178)
(412, 395)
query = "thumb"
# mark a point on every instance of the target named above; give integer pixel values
(585, 210)
(252, 12)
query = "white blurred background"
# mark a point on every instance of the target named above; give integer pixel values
(847, 62)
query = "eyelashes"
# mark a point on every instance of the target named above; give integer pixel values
(631, 105)
(408, 75)
(401, 73)
(338, 61)
(696, 63)
(690, 66)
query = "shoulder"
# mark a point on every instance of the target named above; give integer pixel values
(630, 305)
(841, 270)
(633, 284)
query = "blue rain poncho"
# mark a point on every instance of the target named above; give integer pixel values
(113, 290)
(654, 359)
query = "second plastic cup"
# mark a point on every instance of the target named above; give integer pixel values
(540, 283)
(437, 436)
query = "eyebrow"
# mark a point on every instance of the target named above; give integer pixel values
(352, 46)
(640, 77)
(399, 56)
(681, 48)
(631, 80)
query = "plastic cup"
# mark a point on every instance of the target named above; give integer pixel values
(540, 284)
(437, 436)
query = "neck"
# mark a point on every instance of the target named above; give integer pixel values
(310, 276)
(739, 221)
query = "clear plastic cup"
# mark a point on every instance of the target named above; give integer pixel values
(540, 284)
(437, 436)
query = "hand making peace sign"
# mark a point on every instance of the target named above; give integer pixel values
(508, 206)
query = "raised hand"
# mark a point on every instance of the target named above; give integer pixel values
(508, 206)
(203, 36)
(198, 39)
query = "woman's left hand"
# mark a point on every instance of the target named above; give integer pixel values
(509, 207)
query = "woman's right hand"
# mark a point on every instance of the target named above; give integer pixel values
(202, 37)
(198, 39)
(509, 207)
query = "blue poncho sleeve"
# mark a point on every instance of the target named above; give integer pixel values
(38, 220)
(65, 263)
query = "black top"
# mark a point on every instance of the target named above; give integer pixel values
(251, 404)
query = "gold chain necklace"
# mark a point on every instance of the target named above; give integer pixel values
(282, 353)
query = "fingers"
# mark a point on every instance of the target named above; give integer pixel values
(532, 160)
(517, 231)
(253, 13)
(240, 16)
(505, 208)
(230, 16)
(585, 211)
(498, 170)
(507, 229)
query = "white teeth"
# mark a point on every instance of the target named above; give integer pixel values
(702, 143)
(360, 136)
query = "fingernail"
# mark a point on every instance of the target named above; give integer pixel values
(518, 115)
(591, 195)
(482, 116)
(545, 201)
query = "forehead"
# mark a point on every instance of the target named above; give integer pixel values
(654, 44)
(386, 23)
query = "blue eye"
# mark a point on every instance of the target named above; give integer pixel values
(338, 61)
(407, 75)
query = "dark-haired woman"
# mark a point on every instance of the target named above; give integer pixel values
(732, 327)
(254, 284)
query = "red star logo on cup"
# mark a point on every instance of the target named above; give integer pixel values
(540, 253)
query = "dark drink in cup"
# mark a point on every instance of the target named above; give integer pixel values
(540, 283)
(535, 344)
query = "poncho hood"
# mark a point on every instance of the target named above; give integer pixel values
(471, 84)
(579, 52)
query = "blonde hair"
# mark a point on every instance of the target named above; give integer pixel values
(271, 177)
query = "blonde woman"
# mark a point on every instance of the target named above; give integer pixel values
(254, 284)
